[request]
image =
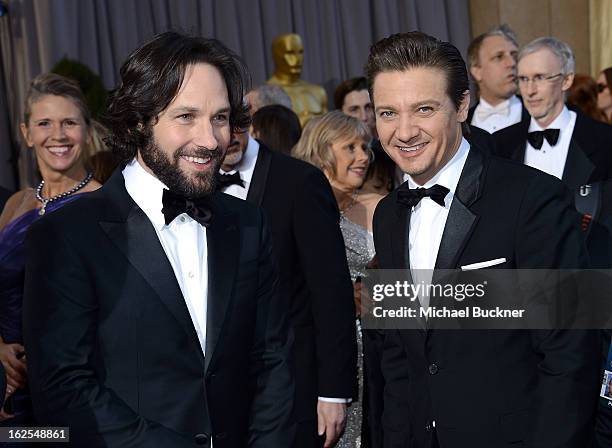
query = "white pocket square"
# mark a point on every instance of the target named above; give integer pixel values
(483, 264)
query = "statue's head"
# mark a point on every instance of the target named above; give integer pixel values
(288, 54)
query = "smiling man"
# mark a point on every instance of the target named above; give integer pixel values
(460, 206)
(561, 142)
(152, 311)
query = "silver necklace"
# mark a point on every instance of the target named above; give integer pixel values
(351, 204)
(47, 201)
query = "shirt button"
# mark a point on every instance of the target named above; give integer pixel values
(182, 219)
(190, 274)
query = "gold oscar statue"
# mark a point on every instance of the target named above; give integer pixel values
(308, 100)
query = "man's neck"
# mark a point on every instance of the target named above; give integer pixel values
(545, 121)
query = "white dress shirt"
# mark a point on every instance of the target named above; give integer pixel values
(428, 219)
(493, 118)
(246, 166)
(183, 241)
(551, 159)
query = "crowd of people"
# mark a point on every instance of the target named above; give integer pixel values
(208, 291)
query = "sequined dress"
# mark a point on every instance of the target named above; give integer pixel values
(359, 245)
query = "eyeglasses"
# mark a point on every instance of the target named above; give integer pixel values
(601, 87)
(537, 79)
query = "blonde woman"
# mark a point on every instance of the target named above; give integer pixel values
(57, 126)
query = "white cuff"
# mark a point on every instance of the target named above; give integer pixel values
(336, 400)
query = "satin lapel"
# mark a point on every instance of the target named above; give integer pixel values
(461, 220)
(578, 167)
(400, 247)
(518, 152)
(399, 238)
(223, 239)
(137, 239)
(257, 187)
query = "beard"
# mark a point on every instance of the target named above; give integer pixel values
(169, 172)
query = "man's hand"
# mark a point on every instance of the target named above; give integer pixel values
(331, 420)
(15, 368)
(3, 414)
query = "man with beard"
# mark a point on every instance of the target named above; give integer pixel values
(314, 277)
(152, 312)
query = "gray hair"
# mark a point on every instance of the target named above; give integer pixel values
(267, 95)
(502, 30)
(560, 49)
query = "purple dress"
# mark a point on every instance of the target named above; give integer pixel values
(12, 275)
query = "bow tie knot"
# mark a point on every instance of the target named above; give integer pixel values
(485, 111)
(536, 138)
(410, 197)
(224, 180)
(199, 209)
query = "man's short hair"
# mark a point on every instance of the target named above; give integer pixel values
(405, 51)
(502, 30)
(348, 86)
(560, 49)
(151, 78)
(268, 95)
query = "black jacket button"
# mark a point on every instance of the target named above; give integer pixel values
(202, 439)
(433, 369)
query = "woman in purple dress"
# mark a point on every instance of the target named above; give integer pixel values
(57, 126)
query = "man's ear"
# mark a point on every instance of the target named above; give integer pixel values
(476, 72)
(568, 80)
(464, 107)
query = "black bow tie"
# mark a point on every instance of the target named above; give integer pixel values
(175, 204)
(225, 180)
(536, 138)
(410, 197)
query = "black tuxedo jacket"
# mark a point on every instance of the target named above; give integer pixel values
(304, 222)
(112, 351)
(589, 158)
(487, 389)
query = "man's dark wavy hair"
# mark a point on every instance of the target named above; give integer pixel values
(405, 51)
(151, 78)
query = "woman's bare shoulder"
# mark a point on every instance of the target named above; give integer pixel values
(16, 206)
(92, 185)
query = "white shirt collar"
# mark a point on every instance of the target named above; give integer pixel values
(450, 173)
(146, 190)
(246, 166)
(561, 122)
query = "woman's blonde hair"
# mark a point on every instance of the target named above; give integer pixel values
(321, 132)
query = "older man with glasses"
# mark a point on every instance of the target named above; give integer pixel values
(561, 142)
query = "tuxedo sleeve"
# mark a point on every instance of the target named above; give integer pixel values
(566, 392)
(271, 423)
(323, 260)
(60, 327)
